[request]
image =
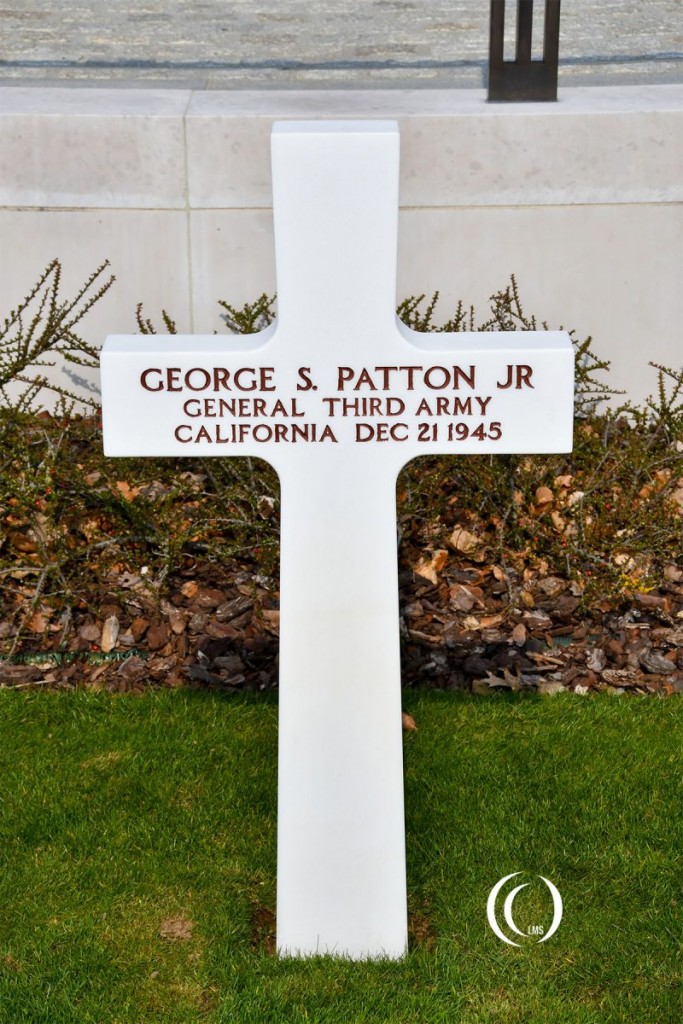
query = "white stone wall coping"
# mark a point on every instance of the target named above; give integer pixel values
(92, 148)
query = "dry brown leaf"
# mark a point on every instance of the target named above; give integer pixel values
(36, 623)
(24, 542)
(110, 634)
(139, 627)
(425, 569)
(559, 524)
(429, 569)
(177, 621)
(544, 498)
(130, 581)
(519, 634)
(545, 659)
(575, 497)
(98, 672)
(90, 633)
(462, 599)
(126, 491)
(157, 636)
(91, 529)
(537, 620)
(210, 597)
(677, 498)
(552, 586)
(440, 559)
(467, 544)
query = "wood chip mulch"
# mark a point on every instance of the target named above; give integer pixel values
(481, 629)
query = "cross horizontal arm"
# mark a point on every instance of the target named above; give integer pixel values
(276, 396)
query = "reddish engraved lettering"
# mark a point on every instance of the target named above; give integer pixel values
(261, 433)
(444, 405)
(519, 375)
(144, 380)
(365, 406)
(383, 378)
(461, 431)
(199, 378)
(305, 382)
(241, 408)
(381, 432)
(427, 431)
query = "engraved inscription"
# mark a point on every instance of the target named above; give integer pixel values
(358, 404)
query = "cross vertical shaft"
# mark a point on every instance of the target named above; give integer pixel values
(341, 860)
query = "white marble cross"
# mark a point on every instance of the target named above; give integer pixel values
(338, 395)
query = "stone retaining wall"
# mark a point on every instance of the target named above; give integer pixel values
(580, 199)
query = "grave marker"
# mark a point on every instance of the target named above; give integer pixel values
(338, 395)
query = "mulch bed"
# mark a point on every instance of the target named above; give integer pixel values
(477, 628)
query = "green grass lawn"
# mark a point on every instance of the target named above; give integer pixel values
(121, 814)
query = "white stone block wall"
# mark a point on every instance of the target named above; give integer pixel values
(581, 199)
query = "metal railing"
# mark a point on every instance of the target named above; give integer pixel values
(523, 78)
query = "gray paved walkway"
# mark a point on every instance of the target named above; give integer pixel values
(292, 43)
